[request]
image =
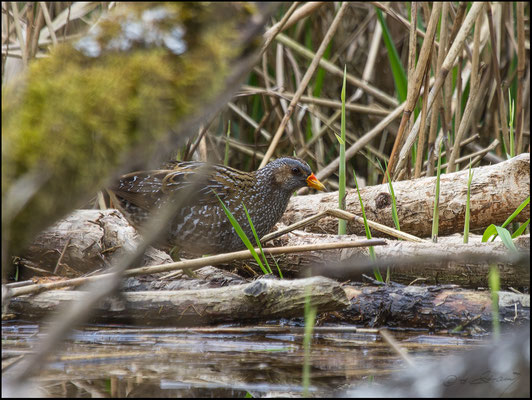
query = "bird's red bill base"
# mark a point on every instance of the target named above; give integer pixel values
(314, 183)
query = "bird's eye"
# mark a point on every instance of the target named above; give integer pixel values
(295, 171)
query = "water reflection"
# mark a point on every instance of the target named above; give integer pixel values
(202, 362)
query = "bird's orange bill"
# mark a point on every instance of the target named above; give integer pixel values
(314, 183)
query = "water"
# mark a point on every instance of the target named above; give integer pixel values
(226, 361)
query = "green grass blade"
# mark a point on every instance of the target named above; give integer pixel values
(468, 206)
(489, 232)
(376, 271)
(511, 115)
(398, 72)
(257, 239)
(492, 231)
(517, 211)
(226, 153)
(256, 109)
(395, 216)
(506, 238)
(342, 224)
(320, 74)
(310, 318)
(278, 268)
(241, 234)
(521, 229)
(494, 284)
(435, 214)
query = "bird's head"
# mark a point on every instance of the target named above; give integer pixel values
(292, 173)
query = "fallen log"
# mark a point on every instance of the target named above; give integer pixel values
(448, 261)
(263, 299)
(496, 191)
(90, 240)
(432, 307)
(83, 242)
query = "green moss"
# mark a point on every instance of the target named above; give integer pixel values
(79, 113)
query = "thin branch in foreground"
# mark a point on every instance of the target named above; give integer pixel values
(193, 264)
(394, 345)
(353, 267)
(342, 214)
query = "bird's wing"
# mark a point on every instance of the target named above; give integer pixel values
(199, 182)
(142, 188)
(196, 183)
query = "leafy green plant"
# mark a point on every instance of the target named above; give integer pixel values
(492, 232)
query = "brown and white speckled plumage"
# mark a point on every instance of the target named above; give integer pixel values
(200, 225)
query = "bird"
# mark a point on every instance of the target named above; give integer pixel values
(199, 225)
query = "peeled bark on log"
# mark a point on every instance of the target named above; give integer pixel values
(408, 261)
(83, 242)
(204, 278)
(262, 299)
(496, 191)
(432, 307)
